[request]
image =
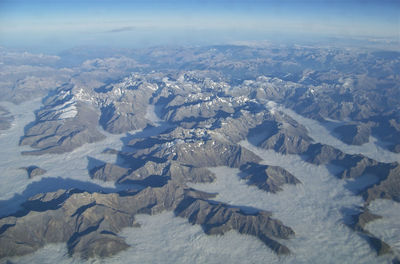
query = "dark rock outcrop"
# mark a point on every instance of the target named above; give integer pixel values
(5, 118)
(360, 221)
(152, 173)
(268, 178)
(284, 135)
(218, 218)
(389, 185)
(194, 147)
(354, 134)
(34, 171)
(108, 172)
(62, 125)
(90, 222)
(123, 105)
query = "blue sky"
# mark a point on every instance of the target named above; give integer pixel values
(122, 22)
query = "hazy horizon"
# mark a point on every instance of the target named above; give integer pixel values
(55, 25)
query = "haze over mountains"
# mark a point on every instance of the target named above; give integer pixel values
(282, 150)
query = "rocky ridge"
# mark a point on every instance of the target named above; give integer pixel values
(34, 171)
(90, 222)
(5, 118)
(61, 125)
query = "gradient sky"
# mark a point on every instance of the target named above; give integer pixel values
(60, 23)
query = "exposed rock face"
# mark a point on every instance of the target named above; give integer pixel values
(70, 115)
(335, 93)
(265, 129)
(116, 122)
(220, 218)
(76, 217)
(388, 187)
(353, 165)
(89, 222)
(388, 129)
(152, 173)
(196, 107)
(237, 128)
(108, 172)
(354, 134)
(180, 155)
(282, 134)
(5, 118)
(213, 153)
(34, 171)
(323, 154)
(93, 245)
(195, 147)
(356, 165)
(360, 221)
(123, 105)
(264, 87)
(62, 125)
(268, 178)
(188, 173)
